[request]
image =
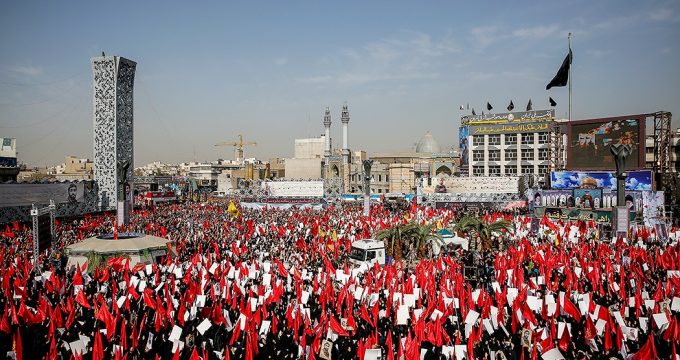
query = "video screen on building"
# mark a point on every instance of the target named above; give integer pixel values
(590, 142)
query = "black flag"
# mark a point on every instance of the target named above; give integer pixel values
(488, 106)
(562, 75)
(473, 111)
(529, 105)
(552, 102)
(511, 106)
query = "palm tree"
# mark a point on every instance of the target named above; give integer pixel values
(393, 234)
(419, 236)
(479, 228)
(404, 236)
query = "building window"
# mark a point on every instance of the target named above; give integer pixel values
(511, 139)
(543, 154)
(494, 139)
(542, 169)
(528, 154)
(511, 170)
(478, 170)
(380, 178)
(527, 169)
(477, 155)
(387, 178)
(543, 138)
(511, 154)
(478, 140)
(379, 191)
(494, 155)
(494, 170)
(528, 139)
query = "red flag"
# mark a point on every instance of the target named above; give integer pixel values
(97, 348)
(648, 351)
(18, 347)
(80, 299)
(565, 340)
(4, 323)
(336, 327)
(388, 345)
(570, 308)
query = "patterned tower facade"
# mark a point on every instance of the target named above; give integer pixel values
(327, 132)
(344, 118)
(114, 79)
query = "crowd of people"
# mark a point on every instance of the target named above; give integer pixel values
(277, 284)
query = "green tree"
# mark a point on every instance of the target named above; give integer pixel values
(419, 237)
(474, 226)
(407, 239)
(393, 235)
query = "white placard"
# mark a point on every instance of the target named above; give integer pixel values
(204, 326)
(552, 354)
(264, 328)
(471, 317)
(373, 354)
(402, 315)
(175, 334)
(675, 305)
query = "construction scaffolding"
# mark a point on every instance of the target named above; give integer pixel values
(557, 147)
(662, 141)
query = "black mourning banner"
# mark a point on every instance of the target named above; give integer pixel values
(562, 76)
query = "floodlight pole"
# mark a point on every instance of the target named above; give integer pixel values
(569, 40)
(367, 186)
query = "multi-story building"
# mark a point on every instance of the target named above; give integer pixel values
(9, 169)
(158, 168)
(675, 151)
(73, 169)
(510, 144)
(398, 172)
(206, 174)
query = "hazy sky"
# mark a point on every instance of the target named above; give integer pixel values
(207, 71)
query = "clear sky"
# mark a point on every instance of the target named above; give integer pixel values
(207, 71)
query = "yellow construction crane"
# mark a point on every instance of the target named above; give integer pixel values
(238, 146)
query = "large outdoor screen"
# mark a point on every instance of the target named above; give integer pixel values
(590, 142)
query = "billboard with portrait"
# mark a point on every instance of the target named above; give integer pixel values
(633, 199)
(639, 180)
(652, 207)
(22, 194)
(588, 198)
(468, 185)
(463, 133)
(561, 198)
(589, 142)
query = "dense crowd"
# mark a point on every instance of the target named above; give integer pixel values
(272, 283)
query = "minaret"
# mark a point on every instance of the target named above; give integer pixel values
(327, 125)
(344, 117)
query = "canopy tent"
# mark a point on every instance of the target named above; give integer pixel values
(140, 248)
(447, 239)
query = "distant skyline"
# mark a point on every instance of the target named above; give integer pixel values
(207, 72)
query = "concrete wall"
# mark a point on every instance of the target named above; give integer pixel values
(303, 169)
(309, 148)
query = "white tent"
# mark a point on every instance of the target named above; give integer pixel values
(140, 249)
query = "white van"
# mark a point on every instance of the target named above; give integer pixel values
(367, 252)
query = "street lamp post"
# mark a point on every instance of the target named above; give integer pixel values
(367, 185)
(621, 152)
